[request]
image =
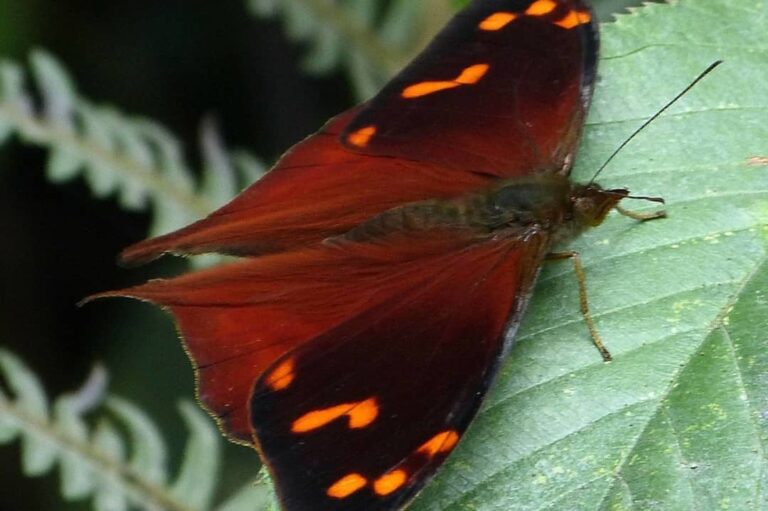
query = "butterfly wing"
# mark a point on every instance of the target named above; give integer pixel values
(380, 400)
(501, 92)
(354, 367)
(318, 189)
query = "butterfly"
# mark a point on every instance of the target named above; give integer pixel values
(387, 259)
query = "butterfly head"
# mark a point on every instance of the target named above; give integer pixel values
(591, 203)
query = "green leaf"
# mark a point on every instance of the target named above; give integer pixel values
(198, 476)
(109, 494)
(76, 477)
(149, 454)
(678, 420)
(256, 496)
(57, 90)
(38, 451)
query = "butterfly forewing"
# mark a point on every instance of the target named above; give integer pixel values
(317, 190)
(502, 90)
(529, 68)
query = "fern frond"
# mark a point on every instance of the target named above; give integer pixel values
(372, 45)
(258, 495)
(135, 158)
(100, 462)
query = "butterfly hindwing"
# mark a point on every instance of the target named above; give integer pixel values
(237, 319)
(354, 367)
(368, 410)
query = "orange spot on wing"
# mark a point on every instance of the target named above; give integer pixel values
(390, 482)
(360, 415)
(346, 486)
(363, 414)
(541, 7)
(574, 19)
(468, 76)
(362, 137)
(282, 376)
(473, 74)
(497, 21)
(584, 16)
(442, 442)
(426, 88)
(319, 418)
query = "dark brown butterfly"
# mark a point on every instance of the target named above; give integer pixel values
(389, 258)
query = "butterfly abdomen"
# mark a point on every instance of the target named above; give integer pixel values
(417, 216)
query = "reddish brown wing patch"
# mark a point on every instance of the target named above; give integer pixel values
(238, 319)
(502, 90)
(317, 190)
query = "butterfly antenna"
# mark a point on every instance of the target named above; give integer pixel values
(655, 116)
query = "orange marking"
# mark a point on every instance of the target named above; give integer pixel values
(346, 486)
(390, 482)
(362, 137)
(497, 21)
(473, 74)
(426, 88)
(360, 415)
(541, 7)
(283, 375)
(584, 16)
(574, 19)
(442, 442)
(363, 414)
(468, 76)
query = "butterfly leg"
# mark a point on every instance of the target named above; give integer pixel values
(583, 301)
(642, 217)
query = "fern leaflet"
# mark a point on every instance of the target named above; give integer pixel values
(116, 472)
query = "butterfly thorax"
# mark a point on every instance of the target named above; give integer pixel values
(545, 203)
(549, 203)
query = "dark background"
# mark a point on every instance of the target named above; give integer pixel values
(174, 61)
